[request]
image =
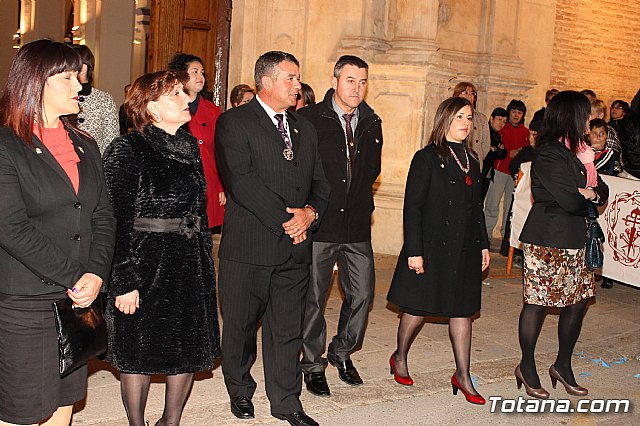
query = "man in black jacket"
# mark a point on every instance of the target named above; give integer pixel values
(269, 161)
(350, 145)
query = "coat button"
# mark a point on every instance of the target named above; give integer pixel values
(204, 124)
(78, 205)
(81, 99)
(478, 241)
(295, 164)
(478, 221)
(200, 141)
(80, 120)
(297, 188)
(479, 203)
(450, 202)
(444, 243)
(76, 237)
(342, 210)
(446, 222)
(452, 181)
(344, 180)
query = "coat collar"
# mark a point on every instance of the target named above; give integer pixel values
(364, 110)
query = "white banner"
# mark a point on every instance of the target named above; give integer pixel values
(619, 219)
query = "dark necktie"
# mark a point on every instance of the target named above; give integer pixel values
(283, 131)
(350, 145)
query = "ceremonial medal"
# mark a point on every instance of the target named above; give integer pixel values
(465, 170)
(287, 153)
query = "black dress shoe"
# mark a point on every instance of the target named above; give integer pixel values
(299, 418)
(242, 407)
(347, 371)
(317, 383)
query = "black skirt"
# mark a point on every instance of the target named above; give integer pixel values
(30, 387)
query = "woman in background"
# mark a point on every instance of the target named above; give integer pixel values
(98, 115)
(56, 230)
(563, 181)
(439, 270)
(161, 311)
(241, 94)
(203, 126)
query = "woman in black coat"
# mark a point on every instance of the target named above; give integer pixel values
(56, 230)
(554, 237)
(439, 271)
(161, 310)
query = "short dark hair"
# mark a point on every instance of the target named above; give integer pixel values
(308, 96)
(536, 126)
(589, 93)
(147, 88)
(21, 101)
(237, 93)
(565, 117)
(181, 61)
(87, 58)
(268, 62)
(348, 60)
(499, 112)
(598, 122)
(550, 94)
(519, 105)
(624, 105)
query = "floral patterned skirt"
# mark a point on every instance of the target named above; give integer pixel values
(556, 277)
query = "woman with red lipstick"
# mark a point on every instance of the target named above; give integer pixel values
(439, 270)
(56, 230)
(161, 311)
(203, 126)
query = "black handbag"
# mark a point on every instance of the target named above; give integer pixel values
(593, 255)
(82, 333)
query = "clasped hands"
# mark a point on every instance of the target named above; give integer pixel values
(297, 226)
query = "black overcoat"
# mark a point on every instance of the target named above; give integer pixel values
(159, 176)
(435, 219)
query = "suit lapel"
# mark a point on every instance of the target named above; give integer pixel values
(45, 155)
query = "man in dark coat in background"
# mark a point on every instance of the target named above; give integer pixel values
(271, 168)
(350, 144)
(630, 138)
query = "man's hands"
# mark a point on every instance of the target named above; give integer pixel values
(297, 226)
(85, 290)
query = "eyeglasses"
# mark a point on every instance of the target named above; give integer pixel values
(616, 107)
(469, 93)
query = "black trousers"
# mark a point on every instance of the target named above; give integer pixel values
(276, 295)
(357, 279)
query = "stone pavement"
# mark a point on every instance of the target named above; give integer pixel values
(611, 333)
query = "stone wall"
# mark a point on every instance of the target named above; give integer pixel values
(597, 46)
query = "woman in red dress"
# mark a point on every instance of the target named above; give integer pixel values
(203, 126)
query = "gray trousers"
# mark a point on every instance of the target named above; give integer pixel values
(357, 280)
(502, 184)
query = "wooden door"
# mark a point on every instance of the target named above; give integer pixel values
(199, 27)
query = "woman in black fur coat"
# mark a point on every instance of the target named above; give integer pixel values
(161, 309)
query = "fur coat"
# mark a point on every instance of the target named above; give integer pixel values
(155, 175)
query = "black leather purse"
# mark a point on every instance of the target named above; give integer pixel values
(593, 255)
(82, 333)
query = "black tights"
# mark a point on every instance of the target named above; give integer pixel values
(135, 389)
(460, 335)
(569, 326)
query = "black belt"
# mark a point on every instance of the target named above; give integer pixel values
(188, 225)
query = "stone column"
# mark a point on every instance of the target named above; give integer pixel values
(42, 18)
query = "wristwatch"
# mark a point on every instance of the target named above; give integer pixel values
(315, 212)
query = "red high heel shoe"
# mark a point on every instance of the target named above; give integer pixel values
(474, 399)
(407, 381)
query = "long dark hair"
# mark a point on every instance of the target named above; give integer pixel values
(22, 99)
(566, 118)
(442, 122)
(88, 59)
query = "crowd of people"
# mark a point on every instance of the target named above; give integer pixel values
(290, 182)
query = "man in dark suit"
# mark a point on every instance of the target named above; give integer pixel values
(271, 168)
(350, 144)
